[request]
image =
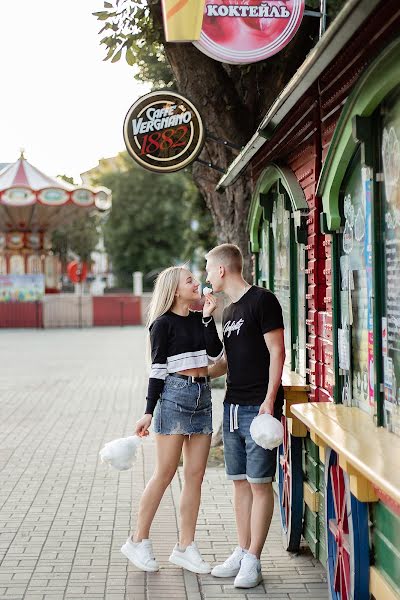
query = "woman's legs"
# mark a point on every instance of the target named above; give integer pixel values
(168, 453)
(195, 454)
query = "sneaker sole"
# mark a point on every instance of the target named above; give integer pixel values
(137, 563)
(180, 562)
(243, 585)
(232, 573)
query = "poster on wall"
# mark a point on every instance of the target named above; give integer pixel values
(21, 288)
(233, 31)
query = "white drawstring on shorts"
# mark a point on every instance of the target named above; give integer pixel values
(233, 417)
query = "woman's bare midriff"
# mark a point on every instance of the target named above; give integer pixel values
(201, 372)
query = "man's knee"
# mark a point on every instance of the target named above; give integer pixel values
(262, 489)
(241, 484)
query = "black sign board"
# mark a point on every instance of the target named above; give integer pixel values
(163, 132)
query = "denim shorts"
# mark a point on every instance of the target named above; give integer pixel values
(184, 408)
(244, 459)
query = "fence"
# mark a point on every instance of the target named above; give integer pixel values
(21, 314)
(70, 310)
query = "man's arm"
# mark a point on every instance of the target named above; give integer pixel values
(218, 369)
(276, 346)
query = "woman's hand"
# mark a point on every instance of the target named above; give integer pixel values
(210, 305)
(142, 426)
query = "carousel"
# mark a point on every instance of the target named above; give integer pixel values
(32, 205)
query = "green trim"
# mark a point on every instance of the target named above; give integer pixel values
(376, 83)
(272, 174)
(294, 299)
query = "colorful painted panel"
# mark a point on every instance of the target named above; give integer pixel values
(21, 288)
(390, 147)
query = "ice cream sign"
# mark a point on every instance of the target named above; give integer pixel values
(163, 132)
(233, 31)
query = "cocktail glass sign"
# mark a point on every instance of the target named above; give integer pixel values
(233, 31)
(163, 132)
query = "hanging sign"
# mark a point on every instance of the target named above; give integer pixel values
(246, 31)
(163, 132)
(234, 31)
(182, 19)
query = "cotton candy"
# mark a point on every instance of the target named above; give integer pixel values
(121, 453)
(207, 290)
(266, 431)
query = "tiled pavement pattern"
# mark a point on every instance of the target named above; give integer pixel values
(64, 515)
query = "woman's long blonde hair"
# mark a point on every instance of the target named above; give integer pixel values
(164, 293)
(162, 299)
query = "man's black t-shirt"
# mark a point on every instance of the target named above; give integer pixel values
(244, 324)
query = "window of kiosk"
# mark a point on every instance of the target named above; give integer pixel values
(265, 256)
(281, 268)
(300, 366)
(390, 323)
(281, 271)
(355, 282)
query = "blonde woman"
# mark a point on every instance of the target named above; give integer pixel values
(182, 344)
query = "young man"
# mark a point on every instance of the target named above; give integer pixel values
(254, 358)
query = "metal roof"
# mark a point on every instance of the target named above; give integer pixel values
(346, 23)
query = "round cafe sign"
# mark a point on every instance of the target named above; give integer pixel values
(246, 31)
(163, 132)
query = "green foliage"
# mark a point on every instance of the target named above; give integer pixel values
(149, 227)
(80, 237)
(130, 32)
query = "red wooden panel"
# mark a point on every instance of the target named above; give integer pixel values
(322, 395)
(312, 322)
(312, 347)
(116, 310)
(324, 324)
(21, 314)
(324, 352)
(312, 393)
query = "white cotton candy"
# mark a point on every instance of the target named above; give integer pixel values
(207, 290)
(121, 453)
(266, 431)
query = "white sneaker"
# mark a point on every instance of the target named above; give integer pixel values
(189, 559)
(231, 567)
(140, 554)
(250, 572)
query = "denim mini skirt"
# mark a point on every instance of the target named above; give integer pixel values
(184, 408)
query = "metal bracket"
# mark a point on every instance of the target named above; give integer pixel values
(321, 15)
(214, 138)
(210, 165)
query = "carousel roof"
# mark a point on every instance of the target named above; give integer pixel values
(30, 200)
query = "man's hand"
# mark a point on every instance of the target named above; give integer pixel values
(267, 407)
(210, 305)
(220, 368)
(142, 426)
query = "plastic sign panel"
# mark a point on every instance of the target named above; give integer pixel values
(182, 19)
(246, 31)
(163, 132)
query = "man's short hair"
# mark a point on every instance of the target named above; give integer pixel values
(229, 255)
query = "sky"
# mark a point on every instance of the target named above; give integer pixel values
(59, 100)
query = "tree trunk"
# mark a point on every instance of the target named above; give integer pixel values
(232, 100)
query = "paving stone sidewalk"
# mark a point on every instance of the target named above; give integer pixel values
(64, 515)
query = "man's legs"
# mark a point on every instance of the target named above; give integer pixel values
(243, 499)
(261, 514)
